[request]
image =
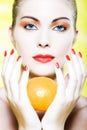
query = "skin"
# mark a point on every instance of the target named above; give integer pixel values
(44, 33)
(45, 37)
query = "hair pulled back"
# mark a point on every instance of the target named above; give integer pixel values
(17, 4)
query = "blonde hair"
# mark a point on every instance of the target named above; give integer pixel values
(17, 4)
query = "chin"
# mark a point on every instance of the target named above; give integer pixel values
(42, 70)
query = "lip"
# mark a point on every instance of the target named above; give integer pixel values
(43, 58)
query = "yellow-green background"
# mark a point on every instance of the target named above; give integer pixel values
(5, 22)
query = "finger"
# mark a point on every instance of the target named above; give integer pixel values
(23, 83)
(9, 64)
(24, 100)
(14, 79)
(4, 66)
(78, 65)
(67, 78)
(83, 68)
(7, 69)
(60, 96)
(75, 63)
(72, 79)
(60, 80)
(17, 68)
(6, 57)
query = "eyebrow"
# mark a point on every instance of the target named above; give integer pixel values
(60, 19)
(35, 19)
(30, 17)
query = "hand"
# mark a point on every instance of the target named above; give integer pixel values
(68, 93)
(17, 93)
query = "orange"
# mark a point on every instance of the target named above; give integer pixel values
(41, 92)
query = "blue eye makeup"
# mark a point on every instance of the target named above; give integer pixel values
(61, 25)
(60, 28)
(30, 27)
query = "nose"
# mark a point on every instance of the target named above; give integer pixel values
(43, 40)
(43, 45)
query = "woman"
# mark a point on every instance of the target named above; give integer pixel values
(43, 34)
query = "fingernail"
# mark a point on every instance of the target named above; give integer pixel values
(80, 54)
(57, 65)
(12, 51)
(73, 51)
(5, 53)
(25, 68)
(18, 58)
(67, 57)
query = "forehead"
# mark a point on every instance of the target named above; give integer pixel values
(45, 8)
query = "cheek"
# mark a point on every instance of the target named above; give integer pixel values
(24, 41)
(62, 42)
(25, 46)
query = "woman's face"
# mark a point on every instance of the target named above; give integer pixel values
(43, 34)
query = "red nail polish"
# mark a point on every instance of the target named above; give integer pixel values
(67, 57)
(25, 68)
(5, 53)
(18, 58)
(57, 65)
(12, 51)
(73, 51)
(80, 54)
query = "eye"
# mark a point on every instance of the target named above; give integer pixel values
(60, 28)
(30, 27)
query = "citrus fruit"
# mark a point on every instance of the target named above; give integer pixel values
(41, 92)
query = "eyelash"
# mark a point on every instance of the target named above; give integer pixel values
(30, 27)
(60, 28)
